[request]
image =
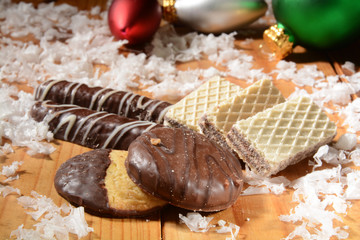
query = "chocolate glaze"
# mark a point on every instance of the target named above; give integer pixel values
(80, 180)
(185, 168)
(89, 128)
(123, 103)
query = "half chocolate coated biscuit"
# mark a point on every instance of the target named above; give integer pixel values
(185, 168)
(97, 180)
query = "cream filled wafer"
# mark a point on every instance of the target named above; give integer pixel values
(89, 128)
(123, 103)
(187, 112)
(217, 121)
(282, 135)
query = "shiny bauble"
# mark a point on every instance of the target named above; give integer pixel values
(134, 20)
(320, 24)
(214, 16)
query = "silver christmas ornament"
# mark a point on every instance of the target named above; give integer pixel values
(213, 16)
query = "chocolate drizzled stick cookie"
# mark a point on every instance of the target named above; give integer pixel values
(89, 128)
(123, 103)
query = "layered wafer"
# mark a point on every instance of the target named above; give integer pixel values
(282, 135)
(89, 128)
(217, 121)
(123, 103)
(187, 112)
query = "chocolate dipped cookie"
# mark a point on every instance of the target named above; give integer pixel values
(89, 128)
(97, 180)
(185, 169)
(123, 103)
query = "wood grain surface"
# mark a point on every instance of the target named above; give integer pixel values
(257, 215)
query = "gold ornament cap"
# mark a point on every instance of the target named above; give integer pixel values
(278, 41)
(169, 11)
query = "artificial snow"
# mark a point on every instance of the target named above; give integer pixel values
(195, 222)
(304, 76)
(353, 185)
(6, 190)
(18, 126)
(11, 169)
(198, 223)
(53, 221)
(351, 114)
(6, 148)
(315, 193)
(231, 228)
(350, 66)
(346, 142)
(263, 185)
(330, 155)
(355, 156)
(322, 198)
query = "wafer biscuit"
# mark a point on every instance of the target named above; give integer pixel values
(187, 112)
(282, 135)
(217, 121)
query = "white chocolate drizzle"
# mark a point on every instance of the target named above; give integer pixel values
(125, 102)
(73, 92)
(94, 97)
(140, 105)
(122, 103)
(82, 122)
(104, 98)
(70, 120)
(91, 125)
(46, 90)
(89, 122)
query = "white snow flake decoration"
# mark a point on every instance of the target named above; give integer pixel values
(53, 222)
(197, 223)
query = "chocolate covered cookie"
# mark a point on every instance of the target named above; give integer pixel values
(185, 169)
(97, 180)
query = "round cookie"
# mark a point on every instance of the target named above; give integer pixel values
(97, 180)
(185, 168)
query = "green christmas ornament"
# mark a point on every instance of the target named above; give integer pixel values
(320, 24)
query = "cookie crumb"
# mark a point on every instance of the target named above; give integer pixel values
(155, 141)
(226, 184)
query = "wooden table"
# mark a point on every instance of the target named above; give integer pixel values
(257, 215)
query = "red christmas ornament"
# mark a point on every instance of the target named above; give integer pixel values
(134, 20)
